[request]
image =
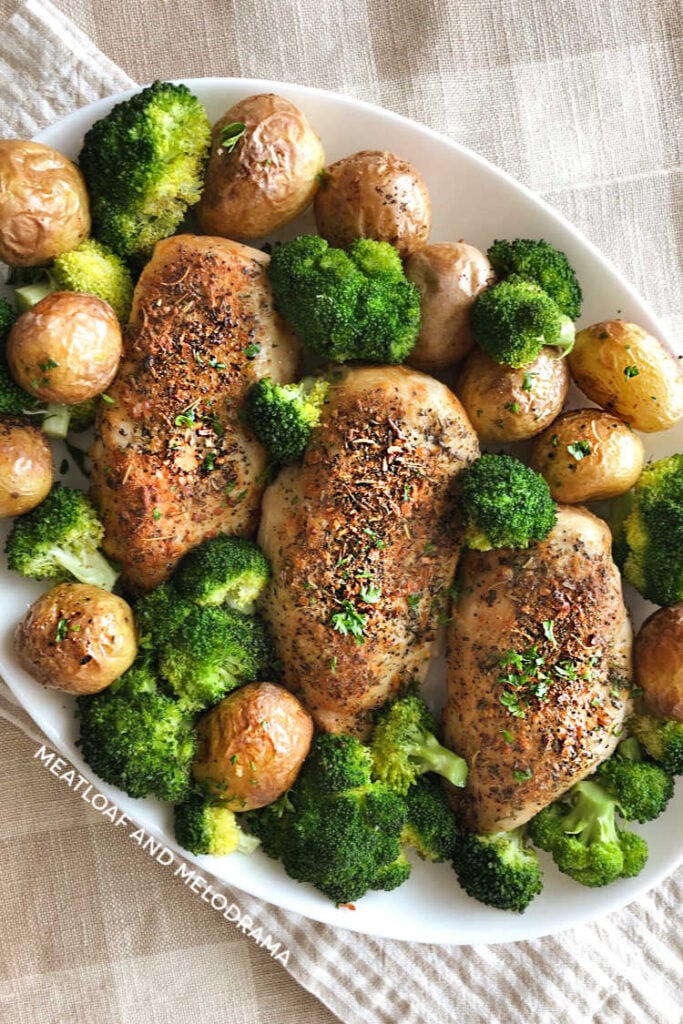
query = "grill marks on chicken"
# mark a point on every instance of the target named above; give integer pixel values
(172, 462)
(362, 539)
(539, 670)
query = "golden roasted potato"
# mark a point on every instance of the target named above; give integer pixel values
(250, 746)
(25, 466)
(44, 206)
(374, 194)
(627, 371)
(588, 455)
(77, 638)
(505, 404)
(66, 348)
(263, 169)
(449, 276)
(658, 661)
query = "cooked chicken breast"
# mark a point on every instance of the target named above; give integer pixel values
(539, 668)
(363, 542)
(172, 464)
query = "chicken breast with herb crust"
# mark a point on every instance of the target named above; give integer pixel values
(363, 541)
(172, 463)
(539, 669)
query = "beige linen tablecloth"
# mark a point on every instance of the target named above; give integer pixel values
(581, 100)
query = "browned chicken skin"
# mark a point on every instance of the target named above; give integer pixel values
(172, 464)
(365, 526)
(520, 764)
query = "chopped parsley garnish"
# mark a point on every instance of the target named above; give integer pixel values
(62, 630)
(108, 399)
(231, 134)
(413, 601)
(507, 736)
(49, 364)
(579, 449)
(522, 775)
(549, 631)
(631, 371)
(528, 380)
(252, 350)
(333, 665)
(187, 417)
(350, 622)
(429, 548)
(379, 543)
(512, 407)
(156, 515)
(210, 461)
(370, 594)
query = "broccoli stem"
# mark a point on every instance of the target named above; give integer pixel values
(630, 750)
(434, 757)
(94, 569)
(56, 422)
(567, 337)
(31, 294)
(592, 819)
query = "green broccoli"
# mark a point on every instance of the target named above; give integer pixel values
(144, 165)
(157, 616)
(403, 746)
(653, 531)
(90, 268)
(580, 831)
(211, 652)
(203, 826)
(662, 738)
(536, 260)
(59, 540)
(499, 869)
(642, 789)
(282, 416)
(13, 399)
(512, 321)
(430, 825)
(135, 737)
(337, 829)
(354, 304)
(223, 570)
(504, 504)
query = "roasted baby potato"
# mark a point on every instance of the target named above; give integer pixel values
(505, 404)
(25, 466)
(588, 455)
(658, 661)
(374, 194)
(44, 206)
(263, 169)
(627, 371)
(77, 638)
(449, 276)
(66, 348)
(250, 746)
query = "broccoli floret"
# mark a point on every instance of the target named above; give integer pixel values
(662, 738)
(353, 304)
(158, 615)
(144, 165)
(337, 829)
(59, 540)
(504, 504)
(13, 399)
(138, 740)
(580, 831)
(282, 416)
(203, 826)
(514, 319)
(223, 570)
(403, 746)
(653, 531)
(212, 651)
(499, 869)
(430, 826)
(642, 789)
(536, 260)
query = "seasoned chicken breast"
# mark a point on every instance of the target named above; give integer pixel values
(539, 668)
(363, 542)
(172, 464)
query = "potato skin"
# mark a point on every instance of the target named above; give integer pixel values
(610, 468)
(44, 205)
(374, 194)
(250, 746)
(98, 644)
(25, 466)
(449, 276)
(499, 405)
(271, 175)
(601, 363)
(66, 348)
(658, 659)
